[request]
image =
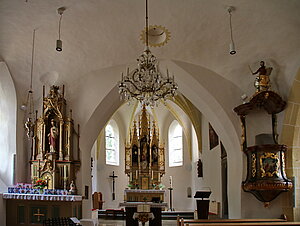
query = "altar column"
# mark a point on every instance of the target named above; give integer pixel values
(61, 157)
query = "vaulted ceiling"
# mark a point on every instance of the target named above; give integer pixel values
(100, 34)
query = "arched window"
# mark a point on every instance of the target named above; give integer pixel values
(112, 143)
(175, 145)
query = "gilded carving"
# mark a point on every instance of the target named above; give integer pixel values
(253, 165)
(144, 155)
(269, 164)
(53, 148)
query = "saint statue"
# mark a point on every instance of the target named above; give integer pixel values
(144, 157)
(53, 136)
(72, 190)
(261, 70)
(262, 80)
(154, 154)
(144, 153)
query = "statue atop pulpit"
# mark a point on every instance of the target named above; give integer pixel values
(262, 80)
(55, 150)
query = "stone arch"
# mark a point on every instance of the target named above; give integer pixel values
(198, 84)
(291, 137)
(8, 119)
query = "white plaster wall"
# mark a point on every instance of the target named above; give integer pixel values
(8, 103)
(211, 160)
(209, 92)
(197, 182)
(8, 106)
(181, 175)
(257, 123)
(252, 208)
(94, 168)
(101, 180)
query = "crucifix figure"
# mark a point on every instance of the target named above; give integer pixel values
(113, 185)
(38, 215)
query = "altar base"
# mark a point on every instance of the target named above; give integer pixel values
(30, 209)
(155, 208)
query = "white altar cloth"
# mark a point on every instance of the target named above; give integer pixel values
(41, 197)
(152, 204)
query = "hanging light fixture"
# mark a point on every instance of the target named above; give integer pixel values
(59, 42)
(231, 45)
(29, 107)
(145, 83)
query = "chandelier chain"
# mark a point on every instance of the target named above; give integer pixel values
(147, 26)
(145, 83)
(32, 58)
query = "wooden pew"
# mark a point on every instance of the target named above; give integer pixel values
(245, 224)
(212, 222)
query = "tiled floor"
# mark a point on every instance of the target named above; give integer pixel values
(122, 223)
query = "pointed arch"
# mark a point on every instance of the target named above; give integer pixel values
(197, 84)
(8, 121)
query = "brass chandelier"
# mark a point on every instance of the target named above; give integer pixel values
(145, 83)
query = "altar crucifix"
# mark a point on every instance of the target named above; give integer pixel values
(113, 185)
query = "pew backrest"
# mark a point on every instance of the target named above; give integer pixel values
(183, 222)
(244, 224)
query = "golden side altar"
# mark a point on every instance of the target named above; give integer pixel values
(55, 143)
(54, 146)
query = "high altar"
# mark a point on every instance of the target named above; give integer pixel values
(54, 159)
(145, 166)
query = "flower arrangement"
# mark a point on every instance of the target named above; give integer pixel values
(40, 184)
(158, 186)
(161, 186)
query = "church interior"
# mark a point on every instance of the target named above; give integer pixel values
(134, 112)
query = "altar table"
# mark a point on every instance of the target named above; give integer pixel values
(155, 208)
(33, 209)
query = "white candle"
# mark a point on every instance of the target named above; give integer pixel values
(65, 171)
(136, 174)
(151, 174)
(171, 184)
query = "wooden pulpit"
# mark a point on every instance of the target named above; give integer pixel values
(202, 205)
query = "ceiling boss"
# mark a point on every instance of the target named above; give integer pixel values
(145, 83)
